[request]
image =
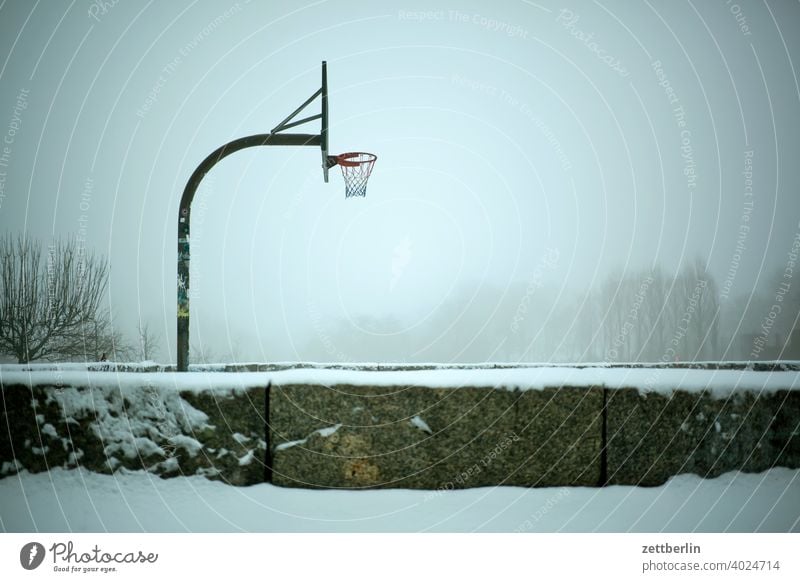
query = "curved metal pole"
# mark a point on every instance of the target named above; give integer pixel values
(184, 212)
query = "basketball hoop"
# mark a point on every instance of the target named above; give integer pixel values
(356, 168)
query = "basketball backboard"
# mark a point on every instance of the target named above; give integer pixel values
(324, 126)
(356, 166)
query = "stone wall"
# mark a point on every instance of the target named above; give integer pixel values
(358, 436)
(652, 437)
(219, 435)
(337, 435)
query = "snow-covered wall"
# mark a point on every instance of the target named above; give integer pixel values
(425, 427)
(108, 428)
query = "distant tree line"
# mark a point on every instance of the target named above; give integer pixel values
(52, 307)
(637, 316)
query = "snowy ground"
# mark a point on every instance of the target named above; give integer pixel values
(74, 500)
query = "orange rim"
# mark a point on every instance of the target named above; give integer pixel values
(347, 159)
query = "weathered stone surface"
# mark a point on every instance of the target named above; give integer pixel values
(653, 437)
(235, 446)
(23, 444)
(357, 436)
(416, 437)
(563, 429)
(783, 436)
(105, 429)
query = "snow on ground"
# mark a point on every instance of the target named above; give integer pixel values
(80, 501)
(721, 383)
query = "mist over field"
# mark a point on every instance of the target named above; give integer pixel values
(585, 182)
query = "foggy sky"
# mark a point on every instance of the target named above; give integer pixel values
(613, 136)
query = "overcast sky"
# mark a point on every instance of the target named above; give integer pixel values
(613, 135)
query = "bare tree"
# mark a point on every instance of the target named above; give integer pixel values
(657, 316)
(101, 340)
(149, 342)
(48, 305)
(626, 322)
(705, 323)
(203, 353)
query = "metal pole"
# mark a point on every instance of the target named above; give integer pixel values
(184, 213)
